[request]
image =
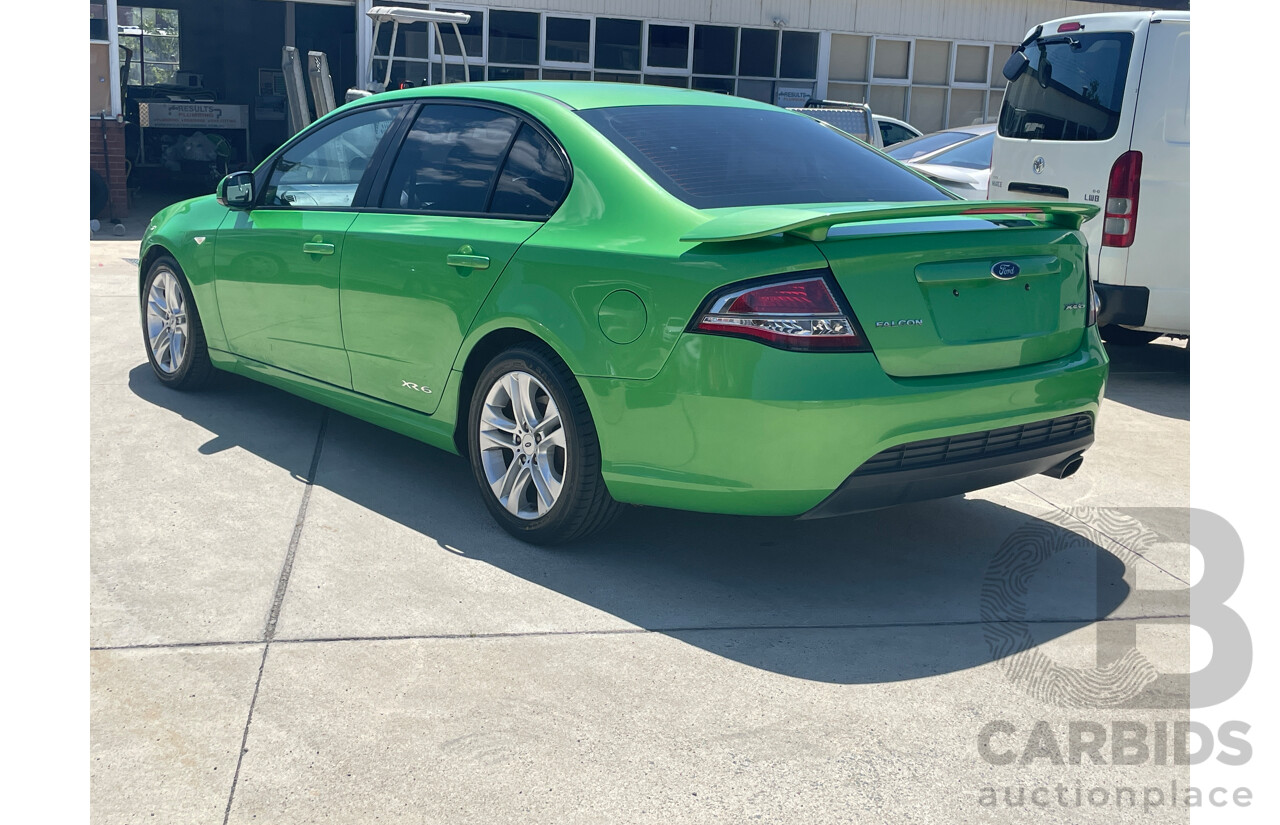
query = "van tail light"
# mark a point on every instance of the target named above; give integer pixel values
(1120, 217)
(1091, 295)
(803, 312)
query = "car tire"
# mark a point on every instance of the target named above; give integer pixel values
(534, 451)
(1125, 337)
(171, 329)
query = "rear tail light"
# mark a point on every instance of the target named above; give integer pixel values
(799, 312)
(1120, 217)
(1070, 27)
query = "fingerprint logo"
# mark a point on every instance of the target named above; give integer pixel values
(1122, 680)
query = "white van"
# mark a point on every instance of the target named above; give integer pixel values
(1097, 110)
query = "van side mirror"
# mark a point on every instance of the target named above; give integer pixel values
(236, 190)
(1015, 65)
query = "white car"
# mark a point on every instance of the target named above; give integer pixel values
(959, 159)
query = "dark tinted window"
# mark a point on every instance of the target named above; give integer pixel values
(533, 180)
(714, 156)
(759, 53)
(618, 43)
(1072, 90)
(513, 37)
(325, 167)
(568, 39)
(799, 55)
(472, 33)
(925, 144)
(449, 159)
(714, 48)
(892, 133)
(668, 46)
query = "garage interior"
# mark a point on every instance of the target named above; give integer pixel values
(227, 54)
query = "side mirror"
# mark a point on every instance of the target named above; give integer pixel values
(236, 190)
(1015, 65)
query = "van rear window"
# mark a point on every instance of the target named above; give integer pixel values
(1072, 90)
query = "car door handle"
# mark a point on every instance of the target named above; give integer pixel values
(313, 248)
(468, 261)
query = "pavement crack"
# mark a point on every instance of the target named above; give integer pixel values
(277, 601)
(244, 739)
(1102, 532)
(286, 570)
(628, 631)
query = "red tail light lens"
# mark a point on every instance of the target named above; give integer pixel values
(1070, 27)
(800, 313)
(1120, 216)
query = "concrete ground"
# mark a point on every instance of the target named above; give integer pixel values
(298, 617)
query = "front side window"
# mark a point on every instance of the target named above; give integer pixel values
(1072, 89)
(449, 159)
(324, 169)
(721, 156)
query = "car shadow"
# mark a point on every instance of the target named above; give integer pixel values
(1155, 378)
(878, 597)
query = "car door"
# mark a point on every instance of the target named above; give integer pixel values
(277, 265)
(468, 186)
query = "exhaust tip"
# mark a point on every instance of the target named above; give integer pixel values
(1065, 468)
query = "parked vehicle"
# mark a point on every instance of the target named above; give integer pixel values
(1097, 110)
(925, 146)
(851, 118)
(602, 294)
(962, 167)
(893, 130)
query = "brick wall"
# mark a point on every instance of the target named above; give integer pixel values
(119, 203)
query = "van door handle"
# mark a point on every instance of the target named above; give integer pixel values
(313, 248)
(464, 258)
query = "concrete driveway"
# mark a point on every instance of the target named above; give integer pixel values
(298, 617)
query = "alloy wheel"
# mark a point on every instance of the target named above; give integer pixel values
(167, 323)
(522, 445)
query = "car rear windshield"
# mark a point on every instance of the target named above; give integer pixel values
(1072, 89)
(718, 156)
(925, 144)
(972, 154)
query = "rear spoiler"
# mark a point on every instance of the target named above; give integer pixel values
(812, 222)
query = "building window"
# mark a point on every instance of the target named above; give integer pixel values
(799, 55)
(568, 40)
(151, 37)
(668, 47)
(513, 37)
(618, 44)
(714, 50)
(759, 54)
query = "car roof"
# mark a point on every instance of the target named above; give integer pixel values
(576, 94)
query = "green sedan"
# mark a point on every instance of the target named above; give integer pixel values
(608, 294)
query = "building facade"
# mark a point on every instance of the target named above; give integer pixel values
(933, 63)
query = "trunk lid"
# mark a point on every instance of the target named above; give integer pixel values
(971, 296)
(942, 288)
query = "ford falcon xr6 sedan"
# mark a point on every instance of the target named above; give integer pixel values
(609, 294)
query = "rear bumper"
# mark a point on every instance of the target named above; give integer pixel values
(732, 426)
(872, 489)
(1122, 305)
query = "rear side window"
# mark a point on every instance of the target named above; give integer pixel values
(449, 159)
(1072, 90)
(533, 180)
(720, 156)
